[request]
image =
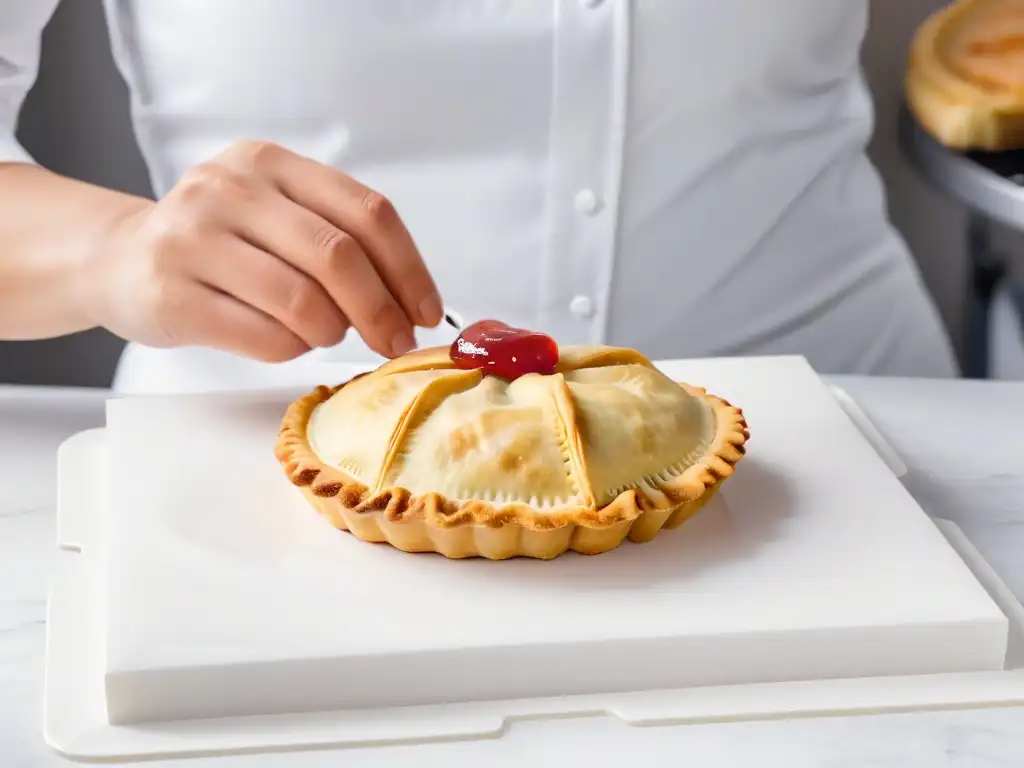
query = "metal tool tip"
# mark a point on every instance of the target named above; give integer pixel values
(453, 320)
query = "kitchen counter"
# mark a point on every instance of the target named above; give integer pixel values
(963, 442)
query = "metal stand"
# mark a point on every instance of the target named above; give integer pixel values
(990, 185)
(986, 270)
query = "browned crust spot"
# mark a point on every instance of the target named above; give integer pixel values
(305, 476)
(328, 490)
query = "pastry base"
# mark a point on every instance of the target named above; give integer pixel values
(508, 541)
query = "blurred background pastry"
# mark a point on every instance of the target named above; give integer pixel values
(965, 79)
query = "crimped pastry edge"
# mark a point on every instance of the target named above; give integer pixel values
(468, 540)
(433, 523)
(958, 114)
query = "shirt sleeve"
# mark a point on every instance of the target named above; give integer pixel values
(21, 28)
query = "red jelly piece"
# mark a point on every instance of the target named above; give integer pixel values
(501, 350)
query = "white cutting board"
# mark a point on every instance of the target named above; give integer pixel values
(228, 596)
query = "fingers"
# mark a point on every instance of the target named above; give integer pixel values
(223, 322)
(375, 224)
(266, 283)
(338, 263)
(337, 242)
(360, 212)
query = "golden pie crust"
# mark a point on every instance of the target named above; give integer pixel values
(965, 75)
(431, 458)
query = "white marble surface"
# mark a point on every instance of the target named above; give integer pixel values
(963, 443)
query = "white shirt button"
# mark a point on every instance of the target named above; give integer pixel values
(581, 306)
(586, 202)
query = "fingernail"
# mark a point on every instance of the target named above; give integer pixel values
(403, 343)
(431, 310)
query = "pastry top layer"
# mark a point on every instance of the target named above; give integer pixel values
(605, 421)
(603, 437)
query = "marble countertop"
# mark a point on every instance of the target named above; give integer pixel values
(963, 442)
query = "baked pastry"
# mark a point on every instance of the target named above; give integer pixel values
(965, 75)
(577, 449)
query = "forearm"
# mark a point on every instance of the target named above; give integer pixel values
(50, 227)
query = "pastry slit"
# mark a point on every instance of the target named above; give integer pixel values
(432, 395)
(570, 441)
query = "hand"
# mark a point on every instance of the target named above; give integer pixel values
(263, 253)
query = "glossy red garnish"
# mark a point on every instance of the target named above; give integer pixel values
(501, 350)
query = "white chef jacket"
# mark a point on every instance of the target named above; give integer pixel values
(680, 176)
